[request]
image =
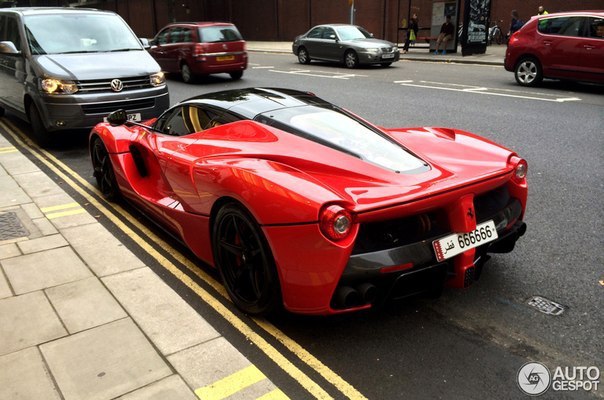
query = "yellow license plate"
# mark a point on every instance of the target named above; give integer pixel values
(225, 58)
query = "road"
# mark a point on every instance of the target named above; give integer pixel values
(467, 344)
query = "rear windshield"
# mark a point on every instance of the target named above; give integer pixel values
(216, 34)
(342, 132)
(78, 33)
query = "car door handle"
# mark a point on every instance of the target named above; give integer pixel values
(589, 47)
(547, 43)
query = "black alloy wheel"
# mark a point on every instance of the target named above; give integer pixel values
(103, 170)
(245, 261)
(303, 56)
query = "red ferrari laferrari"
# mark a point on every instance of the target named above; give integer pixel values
(301, 204)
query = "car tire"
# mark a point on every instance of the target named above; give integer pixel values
(386, 64)
(103, 170)
(38, 130)
(236, 75)
(245, 261)
(528, 72)
(351, 59)
(2, 112)
(303, 56)
(186, 73)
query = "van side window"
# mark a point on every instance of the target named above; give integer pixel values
(9, 31)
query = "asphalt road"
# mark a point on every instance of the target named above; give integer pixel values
(468, 344)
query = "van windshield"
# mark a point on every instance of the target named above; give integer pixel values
(78, 33)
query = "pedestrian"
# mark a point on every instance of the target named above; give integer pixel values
(515, 24)
(541, 11)
(446, 33)
(412, 30)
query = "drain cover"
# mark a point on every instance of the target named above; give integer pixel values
(546, 306)
(11, 227)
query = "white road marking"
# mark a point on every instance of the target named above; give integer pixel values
(454, 87)
(264, 67)
(318, 73)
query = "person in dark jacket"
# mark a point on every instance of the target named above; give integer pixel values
(446, 34)
(412, 27)
(516, 23)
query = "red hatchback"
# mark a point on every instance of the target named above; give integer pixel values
(200, 48)
(562, 46)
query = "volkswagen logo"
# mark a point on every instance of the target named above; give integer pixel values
(117, 85)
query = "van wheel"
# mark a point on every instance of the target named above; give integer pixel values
(236, 75)
(38, 130)
(187, 74)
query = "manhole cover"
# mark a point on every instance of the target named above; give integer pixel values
(546, 306)
(11, 227)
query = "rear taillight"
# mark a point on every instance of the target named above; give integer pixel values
(520, 167)
(335, 222)
(198, 50)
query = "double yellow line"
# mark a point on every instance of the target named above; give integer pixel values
(83, 188)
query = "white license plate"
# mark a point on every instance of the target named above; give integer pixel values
(457, 243)
(388, 55)
(131, 117)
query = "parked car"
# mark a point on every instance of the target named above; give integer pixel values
(561, 46)
(66, 68)
(348, 44)
(200, 48)
(299, 203)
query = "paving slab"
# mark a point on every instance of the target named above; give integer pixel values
(11, 194)
(84, 304)
(105, 255)
(42, 243)
(104, 362)
(44, 269)
(170, 388)
(16, 163)
(63, 211)
(216, 369)
(170, 323)
(9, 250)
(37, 184)
(44, 226)
(26, 321)
(4, 288)
(23, 376)
(32, 210)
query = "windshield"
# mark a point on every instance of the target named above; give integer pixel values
(351, 33)
(214, 34)
(78, 33)
(340, 131)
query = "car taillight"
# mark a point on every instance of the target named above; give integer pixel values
(514, 37)
(520, 169)
(198, 50)
(335, 222)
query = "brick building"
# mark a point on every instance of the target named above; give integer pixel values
(284, 19)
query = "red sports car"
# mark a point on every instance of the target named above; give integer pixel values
(301, 204)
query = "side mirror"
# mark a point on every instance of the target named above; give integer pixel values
(117, 117)
(8, 47)
(145, 42)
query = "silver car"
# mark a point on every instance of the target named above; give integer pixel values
(348, 44)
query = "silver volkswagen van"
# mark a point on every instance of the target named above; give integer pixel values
(67, 68)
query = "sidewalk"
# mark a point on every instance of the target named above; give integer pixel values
(493, 56)
(81, 317)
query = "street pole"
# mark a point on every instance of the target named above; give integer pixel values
(351, 12)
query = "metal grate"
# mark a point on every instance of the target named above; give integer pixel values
(546, 306)
(11, 227)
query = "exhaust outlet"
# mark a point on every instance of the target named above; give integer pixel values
(367, 291)
(347, 297)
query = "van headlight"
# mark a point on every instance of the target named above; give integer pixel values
(57, 86)
(158, 79)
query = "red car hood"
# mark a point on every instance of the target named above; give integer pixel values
(453, 159)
